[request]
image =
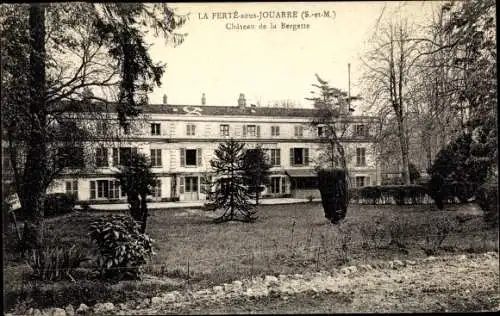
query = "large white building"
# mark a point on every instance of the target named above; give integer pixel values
(181, 140)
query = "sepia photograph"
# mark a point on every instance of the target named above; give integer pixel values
(249, 157)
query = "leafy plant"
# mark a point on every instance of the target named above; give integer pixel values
(123, 249)
(373, 233)
(436, 230)
(343, 241)
(400, 232)
(53, 264)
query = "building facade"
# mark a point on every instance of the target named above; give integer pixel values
(181, 140)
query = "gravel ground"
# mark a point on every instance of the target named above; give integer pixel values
(460, 283)
(444, 284)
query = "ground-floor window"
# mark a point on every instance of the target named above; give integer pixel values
(72, 188)
(104, 189)
(362, 181)
(277, 185)
(156, 192)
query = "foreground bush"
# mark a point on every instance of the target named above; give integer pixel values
(54, 264)
(123, 249)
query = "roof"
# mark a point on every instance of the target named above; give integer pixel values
(202, 110)
(217, 110)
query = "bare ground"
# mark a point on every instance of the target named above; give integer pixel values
(463, 283)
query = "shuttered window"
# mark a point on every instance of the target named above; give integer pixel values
(92, 190)
(299, 156)
(190, 157)
(181, 185)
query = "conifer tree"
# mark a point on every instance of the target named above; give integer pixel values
(230, 193)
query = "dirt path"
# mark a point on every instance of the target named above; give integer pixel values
(455, 283)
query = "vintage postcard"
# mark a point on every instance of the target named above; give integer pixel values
(249, 157)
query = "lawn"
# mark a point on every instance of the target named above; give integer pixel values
(286, 239)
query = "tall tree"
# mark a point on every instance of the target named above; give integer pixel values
(331, 120)
(38, 41)
(255, 170)
(137, 180)
(230, 193)
(389, 66)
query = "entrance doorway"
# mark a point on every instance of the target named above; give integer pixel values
(191, 188)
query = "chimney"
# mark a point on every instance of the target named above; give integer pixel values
(164, 99)
(242, 102)
(203, 99)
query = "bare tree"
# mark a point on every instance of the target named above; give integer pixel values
(390, 66)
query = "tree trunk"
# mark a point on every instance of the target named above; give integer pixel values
(144, 213)
(135, 207)
(404, 152)
(32, 193)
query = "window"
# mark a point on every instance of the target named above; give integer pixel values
(101, 127)
(156, 158)
(362, 181)
(126, 128)
(104, 189)
(190, 157)
(275, 157)
(275, 131)
(251, 130)
(190, 130)
(121, 156)
(299, 156)
(299, 131)
(278, 185)
(321, 131)
(224, 130)
(360, 156)
(190, 185)
(156, 192)
(155, 129)
(71, 157)
(361, 130)
(72, 188)
(101, 157)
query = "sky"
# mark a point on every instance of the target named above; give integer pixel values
(269, 65)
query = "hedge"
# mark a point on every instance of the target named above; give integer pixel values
(55, 204)
(412, 194)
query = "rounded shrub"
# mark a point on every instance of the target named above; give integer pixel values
(334, 193)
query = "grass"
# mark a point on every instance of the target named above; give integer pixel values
(286, 239)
